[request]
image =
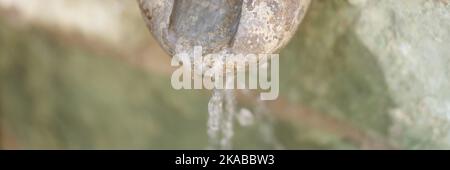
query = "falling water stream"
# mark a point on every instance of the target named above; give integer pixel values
(222, 109)
(217, 26)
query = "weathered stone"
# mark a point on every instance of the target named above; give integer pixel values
(243, 26)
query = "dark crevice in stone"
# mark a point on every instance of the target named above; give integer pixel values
(211, 24)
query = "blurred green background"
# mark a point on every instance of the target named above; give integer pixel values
(66, 87)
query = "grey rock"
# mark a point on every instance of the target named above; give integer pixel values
(242, 27)
(411, 41)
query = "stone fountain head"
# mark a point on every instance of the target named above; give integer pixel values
(235, 26)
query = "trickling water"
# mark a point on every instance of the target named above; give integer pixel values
(216, 26)
(221, 108)
(216, 114)
(222, 111)
(215, 109)
(227, 129)
(245, 117)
